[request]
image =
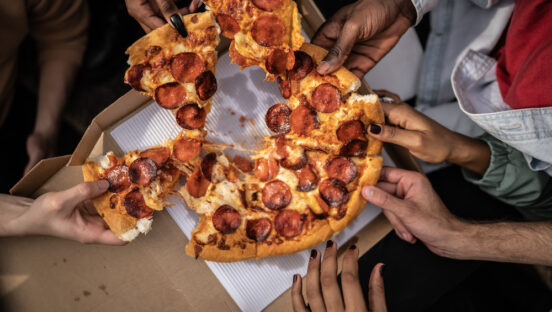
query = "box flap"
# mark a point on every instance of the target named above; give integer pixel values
(39, 174)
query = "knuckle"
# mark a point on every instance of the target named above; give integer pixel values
(84, 189)
(349, 277)
(390, 132)
(327, 280)
(312, 293)
(417, 140)
(165, 5)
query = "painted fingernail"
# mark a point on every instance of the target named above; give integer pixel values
(375, 129)
(323, 67)
(381, 269)
(329, 244)
(313, 254)
(176, 21)
(352, 247)
(294, 278)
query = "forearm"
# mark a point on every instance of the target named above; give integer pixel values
(469, 153)
(518, 242)
(11, 209)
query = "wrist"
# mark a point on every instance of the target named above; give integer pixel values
(462, 240)
(469, 153)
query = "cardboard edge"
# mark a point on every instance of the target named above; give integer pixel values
(38, 175)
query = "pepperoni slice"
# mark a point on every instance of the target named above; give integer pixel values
(159, 155)
(118, 178)
(267, 5)
(303, 66)
(186, 66)
(349, 130)
(228, 25)
(277, 118)
(186, 149)
(191, 116)
(226, 219)
(276, 195)
(295, 164)
(342, 169)
(268, 30)
(303, 120)
(142, 171)
(307, 179)
(134, 76)
(196, 184)
(288, 223)
(326, 98)
(354, 147)
(258, 229)
(205, 85)
(207, 165)
(276, 62)
(333, 192)
(135, 205)
(266, 168)
(170, 95)
(285, 87)
(243, 163)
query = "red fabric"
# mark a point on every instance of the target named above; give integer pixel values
(524, 68)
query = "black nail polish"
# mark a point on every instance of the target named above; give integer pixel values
(176, 21)
(381, 269)
(294, 278)
(352, 247)
(313, 254)
(375, 129)
(329, 244)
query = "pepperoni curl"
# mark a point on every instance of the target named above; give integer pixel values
(295, 164)
(226, 219)
(303, 66)
(288, 223)
(135, 205)
(354, 148)
(228, 25)
(285, 87)
(266, 168)
(207, 165)
(333, 192)
(191, 116)
(159, 155)
(142, 171)
(186, 149)
(276, 62)
(170, 95)
(258, 229)
(277, 118)
(205, 85)
(267, 5)
(307, 179)
(342, 169)
(276, 195)
(303, 120)
(243, 163)
(268, 30)
(134, 76)
(349, 130)
(118, 178)
(186, 66)
(326, 98)
(196, 184)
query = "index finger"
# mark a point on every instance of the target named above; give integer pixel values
(87, 190)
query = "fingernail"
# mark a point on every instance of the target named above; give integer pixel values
(381, 269)
(405, 236)
(367, 192)
(352, 247)
(313, 254)
(176, 21)
(103, 184)
(323, 67)
(375, 129)
(329, 244)
(294, 278)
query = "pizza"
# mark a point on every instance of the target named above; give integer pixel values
(302, 187)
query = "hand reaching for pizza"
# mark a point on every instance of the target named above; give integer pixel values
(67, 214)
(151, 14)
(323, 292)
(415, 210)
(360, 34)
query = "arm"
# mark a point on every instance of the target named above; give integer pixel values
(67, 214)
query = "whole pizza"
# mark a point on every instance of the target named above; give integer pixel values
(296, 192)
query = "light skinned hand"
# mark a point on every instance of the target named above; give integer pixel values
(151, 14)
(415, 210)
(322, 288)
(67, 214)
(360, 34)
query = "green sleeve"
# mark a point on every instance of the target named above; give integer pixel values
(510, 180)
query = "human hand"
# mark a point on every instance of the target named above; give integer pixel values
(39, 146)
(151, 14)
(416, 211)
(323, 293)
(360, 34)
(67, 214)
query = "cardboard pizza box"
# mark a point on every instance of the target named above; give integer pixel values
(152, 272)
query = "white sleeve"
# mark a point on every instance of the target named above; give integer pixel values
(422, 7)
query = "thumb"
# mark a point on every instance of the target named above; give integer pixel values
(381, 198)
(87, 190)
(376, 290)
(342, 48)
(172, 15)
